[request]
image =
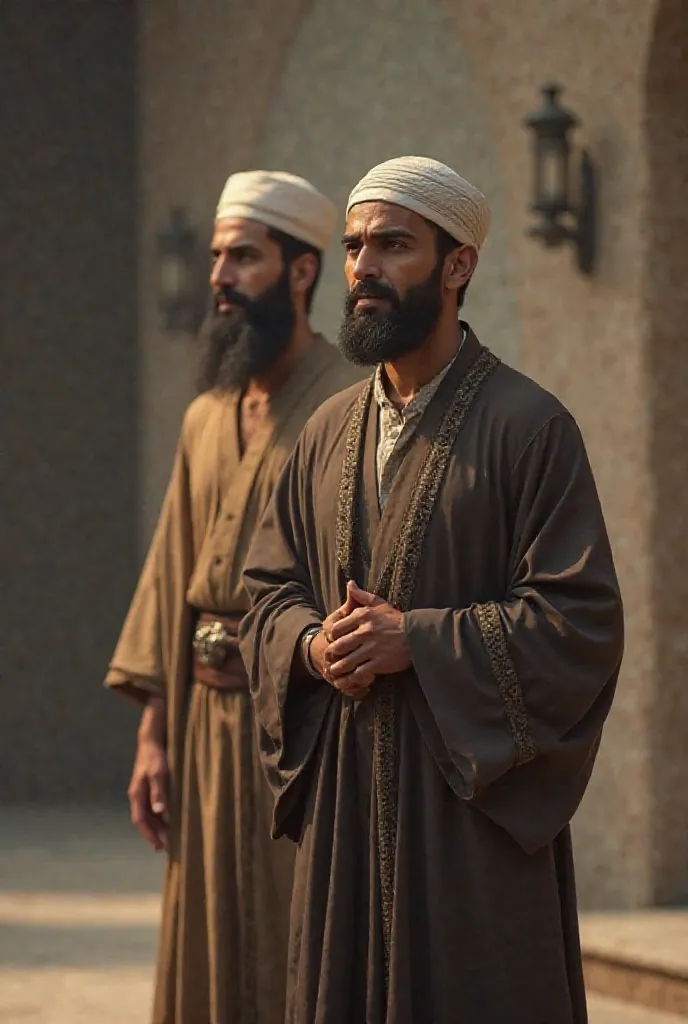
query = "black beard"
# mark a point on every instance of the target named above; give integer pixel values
(373, 336)
(245, 343)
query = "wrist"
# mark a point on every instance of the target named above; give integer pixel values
(307, 639)
(152, 725)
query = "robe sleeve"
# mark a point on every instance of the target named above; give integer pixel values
(511, 694)
(147, 644)
(290, 706)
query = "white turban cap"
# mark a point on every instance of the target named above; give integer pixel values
(282, 201)
(431, 189)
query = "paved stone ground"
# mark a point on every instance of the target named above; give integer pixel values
(655, 937)
(78, 920)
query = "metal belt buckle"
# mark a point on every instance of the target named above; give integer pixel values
(211, 643)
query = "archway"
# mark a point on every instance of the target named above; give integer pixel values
(666, 272)
(343, 105)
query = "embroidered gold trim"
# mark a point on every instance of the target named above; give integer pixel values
(385, 757)
(348, 526)
(506, 677)
(396, 584)
(404, 559)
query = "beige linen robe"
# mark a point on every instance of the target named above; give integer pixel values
(434, 880)
(222, 954)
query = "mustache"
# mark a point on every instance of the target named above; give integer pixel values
(226, 294)
(371, 290)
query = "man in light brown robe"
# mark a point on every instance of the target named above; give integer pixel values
(432, 663)
(197, 788)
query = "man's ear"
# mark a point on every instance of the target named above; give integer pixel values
(303, 272)
(460, 266)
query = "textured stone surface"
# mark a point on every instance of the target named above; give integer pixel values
(613, 1011)
(405, 85)
(68, 411)
(666, 295)
(330, 88)
(79, 912)
(583, 338)
(638, 956)
(207, 70)
(650, 938)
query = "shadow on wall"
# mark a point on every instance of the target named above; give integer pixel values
(666, 271)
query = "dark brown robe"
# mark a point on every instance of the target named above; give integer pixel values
(434, 879)
(222, 953)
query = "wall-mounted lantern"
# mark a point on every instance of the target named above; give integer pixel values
(566, 214)
(178, 275)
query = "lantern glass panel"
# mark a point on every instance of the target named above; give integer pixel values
(553, 174)
(175, 278)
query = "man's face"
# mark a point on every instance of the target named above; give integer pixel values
(252, 317)
(245, 262)
(395, 278)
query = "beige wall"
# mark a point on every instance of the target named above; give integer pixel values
(327, 88)
(427, 100)
(207, 73)
(666, 308)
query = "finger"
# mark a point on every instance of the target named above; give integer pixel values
(333, 618)
(342, 612)
(351, 603)
(355, 682)
(361, 597)
(142, 818)
(161, 831)
(345, 645)
(328, 677)
(353, 687)
(358, 694)
(331, 621)
(141, 821)
(158, 793)
(347, 625)
(361, 676)
(358, 659)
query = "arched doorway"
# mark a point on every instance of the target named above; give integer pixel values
(362, 84)
(666, 282)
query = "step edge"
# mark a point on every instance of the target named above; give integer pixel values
(633, 963)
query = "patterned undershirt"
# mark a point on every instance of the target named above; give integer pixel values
(396, 428)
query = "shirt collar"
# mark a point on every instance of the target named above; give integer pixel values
(422, 398)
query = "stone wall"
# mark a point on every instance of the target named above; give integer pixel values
(69, 405)
(327, 88)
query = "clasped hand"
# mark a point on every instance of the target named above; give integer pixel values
(363, 639)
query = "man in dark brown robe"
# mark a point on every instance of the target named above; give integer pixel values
(433, 645)
(197, 788)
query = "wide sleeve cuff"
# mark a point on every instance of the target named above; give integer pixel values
(504, 673)
(136, 688)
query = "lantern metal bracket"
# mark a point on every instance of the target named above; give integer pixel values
(580, 228)
(586, 233)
